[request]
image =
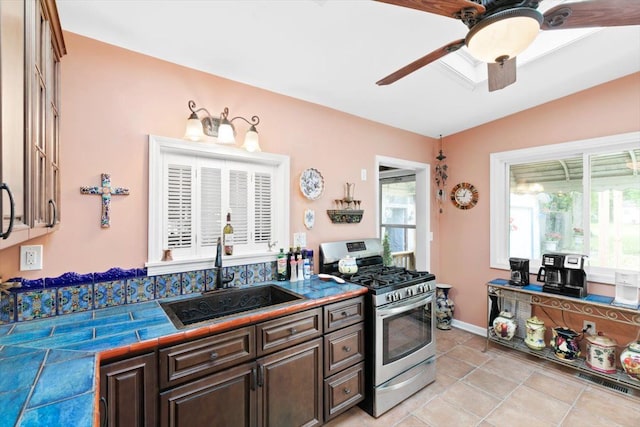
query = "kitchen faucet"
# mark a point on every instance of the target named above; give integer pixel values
(221, 280)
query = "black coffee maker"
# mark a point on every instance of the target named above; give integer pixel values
(563, 274)
(519, 271)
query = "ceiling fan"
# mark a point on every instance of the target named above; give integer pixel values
(499, 30)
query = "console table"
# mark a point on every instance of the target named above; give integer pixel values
(521, 300)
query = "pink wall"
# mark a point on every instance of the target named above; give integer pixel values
(607, 109)
(113, 98)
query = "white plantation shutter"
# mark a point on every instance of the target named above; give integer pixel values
(262, 207)
(210, 205)
(238, 205)
(191, 189)
(179, 224)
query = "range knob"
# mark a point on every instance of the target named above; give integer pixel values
(396, 296)
(390, 297)
(410, 292)
(421, 288)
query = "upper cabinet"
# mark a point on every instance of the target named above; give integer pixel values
(31, 46)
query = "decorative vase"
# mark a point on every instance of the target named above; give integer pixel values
(564, 343)
(535, 334)
(444, 307)
(630, 360)
(601, 354)
(505, 326)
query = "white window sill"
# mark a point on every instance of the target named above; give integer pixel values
(183, 265)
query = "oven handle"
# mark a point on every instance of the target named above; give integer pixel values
(402, 306)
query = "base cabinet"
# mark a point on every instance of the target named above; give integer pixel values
(293, 370)
(290, 386)
(224, 399)
(128, 392)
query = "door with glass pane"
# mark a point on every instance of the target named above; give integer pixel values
(398, 217)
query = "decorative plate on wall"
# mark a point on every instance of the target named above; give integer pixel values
(311, 183)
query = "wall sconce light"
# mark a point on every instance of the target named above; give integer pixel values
(441, 175)
(221, 128)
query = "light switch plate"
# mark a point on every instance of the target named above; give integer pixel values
(300, 239)
(30, 257)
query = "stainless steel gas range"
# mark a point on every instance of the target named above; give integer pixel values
(399, 324)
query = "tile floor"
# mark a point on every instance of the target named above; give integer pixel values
(498, 388)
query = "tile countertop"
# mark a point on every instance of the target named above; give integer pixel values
(49, 367)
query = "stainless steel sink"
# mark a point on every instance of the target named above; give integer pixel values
(226, 302)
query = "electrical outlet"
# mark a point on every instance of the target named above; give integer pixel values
(31, 257)
(589, 327)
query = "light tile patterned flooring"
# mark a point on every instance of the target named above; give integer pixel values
(501, 387)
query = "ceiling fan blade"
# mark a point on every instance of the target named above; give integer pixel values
(501, 74)
(417, 64)
(592, 13)
(448, 8)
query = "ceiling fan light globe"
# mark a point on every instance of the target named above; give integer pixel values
(504, 35)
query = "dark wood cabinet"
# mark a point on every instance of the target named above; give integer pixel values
(128, 392)
(225, 399)
(290, 386)
(343, 356)
(295, 370)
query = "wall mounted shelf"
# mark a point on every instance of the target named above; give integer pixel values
(345, 216)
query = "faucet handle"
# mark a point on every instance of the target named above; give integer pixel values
(272, 245)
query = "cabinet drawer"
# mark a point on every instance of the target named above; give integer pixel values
(288, 330)
(183, 362)
(343, 348)
(343, 313)
(343, 390)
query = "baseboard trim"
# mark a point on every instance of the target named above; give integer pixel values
(469, 327)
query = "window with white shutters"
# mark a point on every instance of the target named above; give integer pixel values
(263, 210)
(192, 186)
(179, 207)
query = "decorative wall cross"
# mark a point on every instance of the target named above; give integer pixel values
(105, 191)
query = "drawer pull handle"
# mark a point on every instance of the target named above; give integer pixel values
(213, 355)
(293, 331)
(346, 348)
(344, 314)
(346, 390)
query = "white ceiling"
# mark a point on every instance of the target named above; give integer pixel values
(331, 52)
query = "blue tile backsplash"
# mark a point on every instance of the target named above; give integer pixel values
(74, 293)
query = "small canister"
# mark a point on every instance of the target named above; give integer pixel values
(535, 333)
(504, 325)
(601, 353)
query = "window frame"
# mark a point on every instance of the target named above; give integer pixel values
(159, 147)
(499, 191)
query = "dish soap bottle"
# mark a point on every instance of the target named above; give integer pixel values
(227, 236)
(281, 266)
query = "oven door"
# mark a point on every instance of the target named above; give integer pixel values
(404, 336)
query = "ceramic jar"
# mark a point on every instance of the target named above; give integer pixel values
(505, 326)
(348, 265)
(535, 334)
(565, 344)
(444, 306)
(630, 360)
(601, 354)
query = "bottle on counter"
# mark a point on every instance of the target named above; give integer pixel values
(310, 258)
(289, 257)
(281, 266)
(227, 236)
(293, 268)
(300, 266)
(306, 265)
